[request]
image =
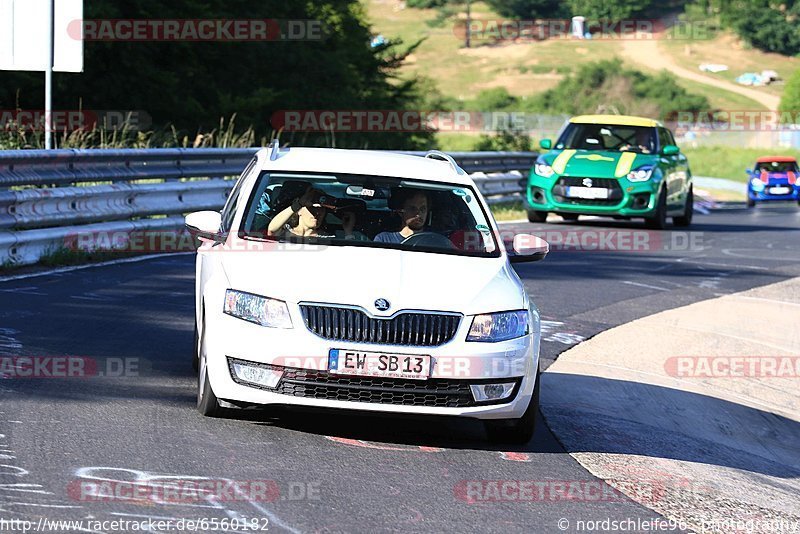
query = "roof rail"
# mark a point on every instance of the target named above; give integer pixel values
(449, 159)
(274, 149)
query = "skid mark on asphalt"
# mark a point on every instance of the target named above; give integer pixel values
(9, 345)
(509, 456)
(367, 445)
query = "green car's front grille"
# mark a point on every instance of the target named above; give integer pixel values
(615, 194)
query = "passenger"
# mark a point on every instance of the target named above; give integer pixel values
(349, 218)
(304, 217)
(413, 209)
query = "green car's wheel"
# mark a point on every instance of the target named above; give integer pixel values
(537, 216)
(569, 216)
(659, 219)
(688, 212)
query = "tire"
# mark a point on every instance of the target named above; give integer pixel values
(659, 219)
(751, 203)
(515, 431)
(688, 212)
(570, 216)
(207, 402)
(537, 216)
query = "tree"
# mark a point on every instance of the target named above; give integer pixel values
(790, 101)
(765, 25)
(193, 84)
(607, 10)
(527, 9)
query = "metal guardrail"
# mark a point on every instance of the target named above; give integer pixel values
(46, 205)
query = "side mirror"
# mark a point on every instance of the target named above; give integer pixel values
(546, 144)
(527, 247)
(670, 150)
(749, 171)
(205, 225)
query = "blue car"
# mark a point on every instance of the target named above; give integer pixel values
(773, 178)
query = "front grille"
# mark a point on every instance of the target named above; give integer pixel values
(615, 194)
(407, 328)
(434, 392)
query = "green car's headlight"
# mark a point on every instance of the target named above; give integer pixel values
(257, 309)
(642, 174)
(502, 326)
(544, 170)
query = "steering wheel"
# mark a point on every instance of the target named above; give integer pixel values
(428, 239)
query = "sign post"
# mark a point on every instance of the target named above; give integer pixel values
(42, 35)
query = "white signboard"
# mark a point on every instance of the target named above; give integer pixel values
(23, 35)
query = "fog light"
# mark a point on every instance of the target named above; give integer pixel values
(490, 392)
(261, 375)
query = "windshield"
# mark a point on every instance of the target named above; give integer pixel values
(608, 137)
(368, 211)
(777, 166)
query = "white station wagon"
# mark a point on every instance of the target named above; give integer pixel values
(363, 280)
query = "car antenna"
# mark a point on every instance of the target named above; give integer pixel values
(274, 149)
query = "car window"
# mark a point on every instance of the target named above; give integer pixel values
(229, 211)
(608, 137)
(369, 211)
(777, 166)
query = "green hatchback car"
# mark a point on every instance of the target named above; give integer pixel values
(613, 165)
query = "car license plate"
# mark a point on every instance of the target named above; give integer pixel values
(587, 192)
(379, 364)
(779, 191)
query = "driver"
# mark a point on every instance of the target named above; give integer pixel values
(413, 209)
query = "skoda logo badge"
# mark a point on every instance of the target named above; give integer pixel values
(587, 182)
(382, 304)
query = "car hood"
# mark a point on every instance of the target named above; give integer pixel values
(597, 163)
(359, 275)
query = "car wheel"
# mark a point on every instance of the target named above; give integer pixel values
(515, 431)
(751, 203)
(537, 216)
(688, 212)
(207, 402)
(570, 216)
(659, 219)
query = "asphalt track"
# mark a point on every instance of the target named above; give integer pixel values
(327, 472)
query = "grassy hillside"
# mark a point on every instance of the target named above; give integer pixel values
(529, 67)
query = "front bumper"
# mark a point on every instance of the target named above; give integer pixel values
(456, 364)
(765, 195)
(633, 199)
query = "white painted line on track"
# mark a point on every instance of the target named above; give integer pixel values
(645, 285)
(60, 270)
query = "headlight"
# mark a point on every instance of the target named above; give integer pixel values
(543, 169)
(256, 309)
(642, 174)
(498, 326)
(757, 184)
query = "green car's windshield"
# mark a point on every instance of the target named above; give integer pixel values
(608, 137)
(369, 211)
